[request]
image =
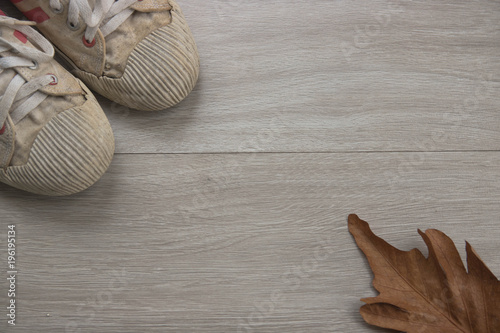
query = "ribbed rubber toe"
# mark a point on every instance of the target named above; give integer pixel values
(69, 154)
(161, 71)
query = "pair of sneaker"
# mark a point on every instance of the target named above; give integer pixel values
(54, 137)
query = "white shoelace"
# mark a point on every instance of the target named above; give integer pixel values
(107, 15)
(23, 56)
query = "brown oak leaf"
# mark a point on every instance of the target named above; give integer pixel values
(427, 295)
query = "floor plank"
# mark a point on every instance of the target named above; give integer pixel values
(236, 242)
(332, 76)
(388, 109)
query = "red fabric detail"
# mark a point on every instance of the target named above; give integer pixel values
(22, 37)
(37, 15)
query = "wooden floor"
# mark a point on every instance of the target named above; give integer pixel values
(228, 213)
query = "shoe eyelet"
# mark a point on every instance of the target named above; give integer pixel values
(35, 65)
(2, 130)
(58, 11)
(73, 26)
(87, 43)
(54, 78)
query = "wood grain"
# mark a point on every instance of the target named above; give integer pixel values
(332, 76)
(228, 213)
(248, 242)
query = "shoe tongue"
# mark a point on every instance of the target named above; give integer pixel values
(13, 35)
(67, 84)
(8, 74)
(5, 77)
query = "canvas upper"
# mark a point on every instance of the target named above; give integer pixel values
(147, 62)
(64, 144)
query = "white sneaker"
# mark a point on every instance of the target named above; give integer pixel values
(54, 137)
(139, 53)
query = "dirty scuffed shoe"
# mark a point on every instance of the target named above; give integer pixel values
(138, 53)
(54, 137)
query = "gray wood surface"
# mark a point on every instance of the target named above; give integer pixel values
(228, 213)
(331, 76)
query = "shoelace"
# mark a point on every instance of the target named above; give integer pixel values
(107, 15)
(17, 55)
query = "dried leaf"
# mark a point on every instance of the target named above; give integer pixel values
(428, 295)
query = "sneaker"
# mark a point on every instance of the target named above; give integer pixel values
(54, 137)
(138, 53)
